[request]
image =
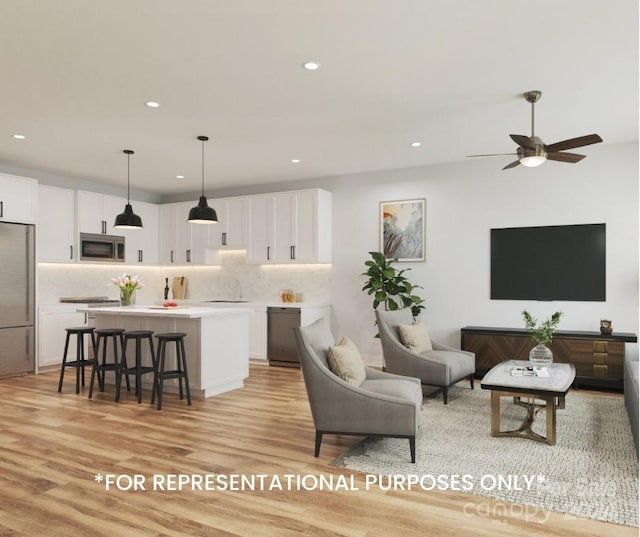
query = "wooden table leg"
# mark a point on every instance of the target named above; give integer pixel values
(551, 420)
(495, 412)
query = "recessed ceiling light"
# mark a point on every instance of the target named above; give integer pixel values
(416, 144)
(19, 136)
(311, 66)
(295, 160)
(152, 104)
(179, 176)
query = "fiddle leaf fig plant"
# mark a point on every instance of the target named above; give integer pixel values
(389, 286)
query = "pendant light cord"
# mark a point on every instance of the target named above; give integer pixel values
(203, 167)
(128, 180)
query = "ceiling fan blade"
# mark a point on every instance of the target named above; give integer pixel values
(565, 157)
(523, 141)
(512, 165)
(573, 142)
(492, 155)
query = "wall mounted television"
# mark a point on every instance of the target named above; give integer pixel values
(549, 263)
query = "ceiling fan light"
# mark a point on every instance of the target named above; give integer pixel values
(533, 161)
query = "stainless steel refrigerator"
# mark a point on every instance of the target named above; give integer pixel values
(17, 299)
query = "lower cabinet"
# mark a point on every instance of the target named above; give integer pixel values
(52, 321)
(598, 358)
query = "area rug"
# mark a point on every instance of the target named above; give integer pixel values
(591, 472)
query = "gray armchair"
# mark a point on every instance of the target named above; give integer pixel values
(442, 367)
(383, 405)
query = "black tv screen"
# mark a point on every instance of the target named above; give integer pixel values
(549, 263)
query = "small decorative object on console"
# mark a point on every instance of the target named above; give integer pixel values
(606, 327)
(541, 355)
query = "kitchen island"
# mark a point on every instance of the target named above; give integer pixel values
(217, 342)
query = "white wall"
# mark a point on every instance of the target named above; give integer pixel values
(464, 201)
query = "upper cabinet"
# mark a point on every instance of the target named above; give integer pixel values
(231, 229)
(56, 224)
(290, 227)
(18, 199)
(141, 245)
(181, 242)
(97, 213)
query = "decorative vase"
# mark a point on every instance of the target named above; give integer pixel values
(540, 356)
(127, 298)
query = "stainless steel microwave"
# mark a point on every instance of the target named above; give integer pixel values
(105, 248)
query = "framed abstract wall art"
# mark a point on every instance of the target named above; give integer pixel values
(403, 229)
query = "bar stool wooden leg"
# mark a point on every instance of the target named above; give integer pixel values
(184, 371)
(64, 361)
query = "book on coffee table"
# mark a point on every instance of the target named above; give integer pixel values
(522, 371)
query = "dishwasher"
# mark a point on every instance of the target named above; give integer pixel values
(281, 344)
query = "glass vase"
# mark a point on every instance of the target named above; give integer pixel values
(540, 356)
(127, 298)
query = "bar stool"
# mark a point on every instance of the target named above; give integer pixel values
(101, 368)
(81, 360)
(181, 366)
(138, 369)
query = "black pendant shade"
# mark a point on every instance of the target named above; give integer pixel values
(202, 213)
(128, 219)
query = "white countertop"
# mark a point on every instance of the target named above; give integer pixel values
(183, 312)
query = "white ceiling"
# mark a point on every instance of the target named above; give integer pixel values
(75, 75)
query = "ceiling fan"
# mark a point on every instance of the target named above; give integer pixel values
(532, 151)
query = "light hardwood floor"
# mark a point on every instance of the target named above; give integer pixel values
(52, 445)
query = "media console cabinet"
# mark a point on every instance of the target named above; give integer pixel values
(598, 358)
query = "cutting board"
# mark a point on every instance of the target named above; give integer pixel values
(179, 287)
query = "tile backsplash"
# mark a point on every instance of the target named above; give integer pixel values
(232, 279)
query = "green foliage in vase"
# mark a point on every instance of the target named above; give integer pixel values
(389, 286)
(543, 332)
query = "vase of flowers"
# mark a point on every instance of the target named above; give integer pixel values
(128, 286)
(542, 333)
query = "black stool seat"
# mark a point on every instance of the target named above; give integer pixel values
(116, 335)
(110, 331)
(138, 369)
(80, 329)
(81, 360)
(181, 366)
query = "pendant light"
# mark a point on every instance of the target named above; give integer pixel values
(202, 213)
(128, 219)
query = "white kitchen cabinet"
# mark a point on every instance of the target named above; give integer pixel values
(257, 325)
(260, 224)
(231, 229)
(97, 213)
(168, 231)
(290, 227)
(55, 229)
(180, 241)
(52, 321)
(18, 199)
(141, 245)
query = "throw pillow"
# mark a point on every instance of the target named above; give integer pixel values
(415, 337)
(345, 361)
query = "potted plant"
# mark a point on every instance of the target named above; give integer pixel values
(389, 286)
(542, 333)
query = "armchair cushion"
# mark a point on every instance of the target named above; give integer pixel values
(415, 337)
(345, 361)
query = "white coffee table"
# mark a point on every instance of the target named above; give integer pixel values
(552, 390)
